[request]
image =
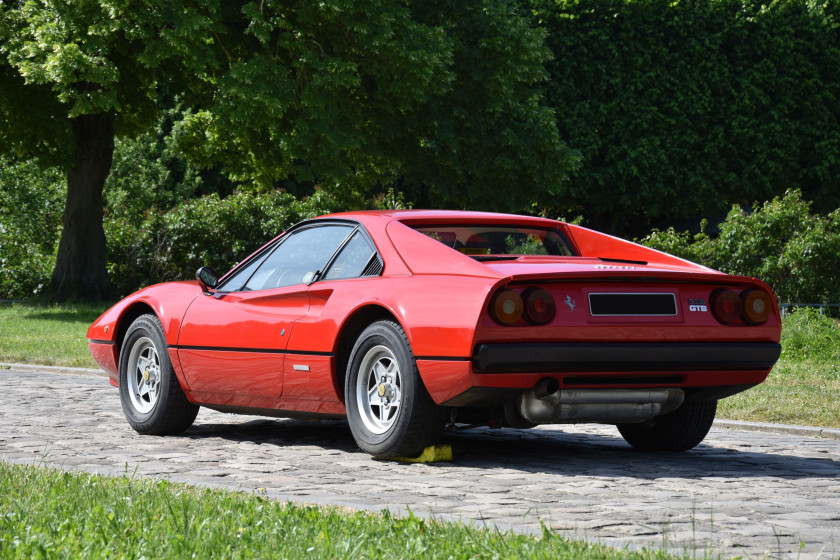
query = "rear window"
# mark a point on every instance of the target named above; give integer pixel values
(476, 240)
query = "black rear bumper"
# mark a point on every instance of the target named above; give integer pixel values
(562, 357)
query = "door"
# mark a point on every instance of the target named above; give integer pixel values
(232, 343)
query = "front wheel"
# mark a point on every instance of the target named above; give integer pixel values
(679, 430)
(152, 399)
(389, 410)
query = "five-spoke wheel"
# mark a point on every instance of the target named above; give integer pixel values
(143, 375)
(378, 389)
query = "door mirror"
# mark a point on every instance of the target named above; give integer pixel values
(207, 278)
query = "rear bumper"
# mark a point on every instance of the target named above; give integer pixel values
(556, 357)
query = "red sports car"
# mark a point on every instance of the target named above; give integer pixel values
(404, 321)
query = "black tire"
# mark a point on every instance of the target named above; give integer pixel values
(388, 408)
(152, 399)
(679, 430)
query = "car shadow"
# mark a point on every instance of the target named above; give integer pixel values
(328, 434)
(574, 454)
(85, 316)
(564, 453)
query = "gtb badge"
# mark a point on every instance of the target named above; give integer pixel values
(697, 305)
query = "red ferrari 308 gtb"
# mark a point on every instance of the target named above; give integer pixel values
(404, 321)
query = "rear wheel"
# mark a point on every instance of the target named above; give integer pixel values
(679, 430)
(389, 410)
(152, 399)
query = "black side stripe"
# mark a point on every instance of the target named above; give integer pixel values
(443, 358)
(252, 350)
(97, 341)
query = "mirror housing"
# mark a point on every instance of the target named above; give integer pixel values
(207, 278)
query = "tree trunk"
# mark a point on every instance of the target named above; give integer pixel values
(80, 272)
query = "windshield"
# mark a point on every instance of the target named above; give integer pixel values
(477, 240)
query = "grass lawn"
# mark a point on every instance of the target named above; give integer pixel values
(803, 388)
(45, 513)
(803, 392)
(51, 335)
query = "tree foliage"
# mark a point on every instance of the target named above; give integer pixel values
(73, 75)
(338, 93)
(62, 60)
(440, 99)
(311, 91)
(680, 108)
(488, 141)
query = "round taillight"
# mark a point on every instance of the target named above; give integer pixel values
(539, 306)
(726, 306)
(506, 307)
(757, 306)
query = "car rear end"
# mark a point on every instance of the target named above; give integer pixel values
(586, 327)
(624, 345)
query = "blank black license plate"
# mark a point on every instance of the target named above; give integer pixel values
(632, 305)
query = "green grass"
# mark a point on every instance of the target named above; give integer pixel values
(46, 513)
(52, 335)
(805, 393)
(803, 388)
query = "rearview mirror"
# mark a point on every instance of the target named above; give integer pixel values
(207, 278)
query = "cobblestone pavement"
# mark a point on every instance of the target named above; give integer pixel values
(738, 494)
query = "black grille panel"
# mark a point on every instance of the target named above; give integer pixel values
(632, 305)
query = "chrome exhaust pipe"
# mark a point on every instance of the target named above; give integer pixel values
(542, 405)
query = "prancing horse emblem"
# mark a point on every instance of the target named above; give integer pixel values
(570, 302)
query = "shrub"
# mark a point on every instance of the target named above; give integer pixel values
(31, 206)
(808, 335)
(206, 231)
(796, 252)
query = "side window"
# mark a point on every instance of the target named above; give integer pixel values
(298, 257)
(236, 282)
(351, 261)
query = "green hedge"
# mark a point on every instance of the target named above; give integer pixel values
(796, 252)
(682, 107)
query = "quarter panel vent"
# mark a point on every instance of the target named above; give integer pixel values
(374, 267)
